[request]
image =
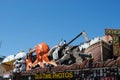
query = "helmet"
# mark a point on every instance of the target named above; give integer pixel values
(42, 48)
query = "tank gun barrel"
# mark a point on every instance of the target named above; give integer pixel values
(74, 38)
(67, 44)
(85, 55)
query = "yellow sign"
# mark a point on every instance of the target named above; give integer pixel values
(58, 75)
(112, 31)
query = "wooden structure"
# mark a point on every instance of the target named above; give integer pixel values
(101, 51)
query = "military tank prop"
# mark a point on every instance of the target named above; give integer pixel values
(96, 59)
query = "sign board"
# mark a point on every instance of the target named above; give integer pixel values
(103, 73)
(58, 75)
(115, 33)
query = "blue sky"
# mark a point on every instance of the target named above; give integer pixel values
(25, 23)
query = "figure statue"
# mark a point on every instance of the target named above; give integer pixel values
(29, 59)
(19, 64)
